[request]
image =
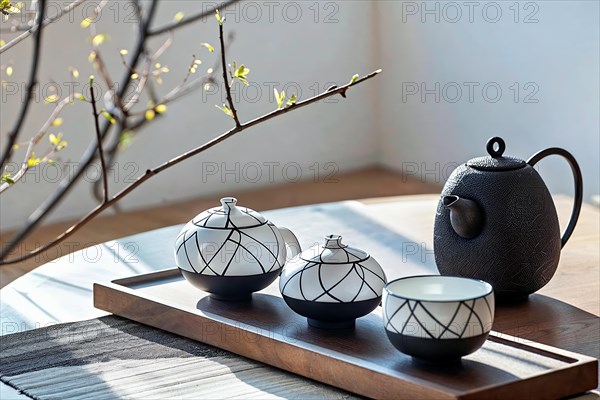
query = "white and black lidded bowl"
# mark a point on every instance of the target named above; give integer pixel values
(232, 251)
(438, 318)
(332, 284)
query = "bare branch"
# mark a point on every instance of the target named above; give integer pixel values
(35, 140)
(31, 82)
(177, 92)
(173, 95)
(182, 157)
(108, 80)
(192, 19)
(99, 59)
(184, 88)
(226, 79)
(33, 29)
(99, 139)
(144, 76)
(102, 133)
(89, 155)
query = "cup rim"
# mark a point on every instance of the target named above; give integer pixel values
(393, 294)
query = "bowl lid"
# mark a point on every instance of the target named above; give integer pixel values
(333, 251)
(496, 161)
(229, 215)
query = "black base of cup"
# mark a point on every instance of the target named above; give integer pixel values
(436, 350)
(230, 288)
(332, 315)
(315, 323)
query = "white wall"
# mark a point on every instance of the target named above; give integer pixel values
(558, 54)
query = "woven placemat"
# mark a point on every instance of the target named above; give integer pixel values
(112, 357)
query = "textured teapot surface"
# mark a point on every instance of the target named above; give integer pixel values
(506, 230)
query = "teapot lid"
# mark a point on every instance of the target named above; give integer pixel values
(334, 252)
(496, 161)
(228, 216)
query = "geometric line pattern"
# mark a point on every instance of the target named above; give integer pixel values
(347, 256)
(418, 312)
(356, 281)
(208, 220)
(356, 268)
(235, 236)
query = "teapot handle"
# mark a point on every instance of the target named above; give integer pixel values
(578, 185)
(291, 242)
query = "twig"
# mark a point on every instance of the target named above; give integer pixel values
(99, 59)
(35, 140)
(193, 18)
(138, 122)
(33, 29)
(184, 88)
(182, 157)
(172, 96)
(226, 79)
(99, 139)
(88, 157)
(110, 151)
(144, 76)
(16, 27)
(126, 108)
(31, 82)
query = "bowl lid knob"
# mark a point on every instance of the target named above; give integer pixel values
(228, 203)
(334, 242)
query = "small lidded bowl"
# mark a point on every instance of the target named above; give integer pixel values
(332, 284)
(232, 251)
(438, 318)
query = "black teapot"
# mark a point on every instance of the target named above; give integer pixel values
(496, 221)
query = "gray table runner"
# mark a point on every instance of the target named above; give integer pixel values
(112, 357)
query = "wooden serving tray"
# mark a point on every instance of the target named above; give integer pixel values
(362, 360)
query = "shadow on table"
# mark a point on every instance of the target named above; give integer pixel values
(269, 317)
(237, 376)
(54, 356)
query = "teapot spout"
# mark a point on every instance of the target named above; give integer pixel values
(466, 216)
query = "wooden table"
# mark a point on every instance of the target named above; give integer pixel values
(397, 231)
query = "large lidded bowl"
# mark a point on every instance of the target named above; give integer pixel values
(438, 318)
(332, 284)
(231, 251)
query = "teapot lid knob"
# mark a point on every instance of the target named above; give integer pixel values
(334, 242)
(491, 147)
(228, 203)
(497, 161)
